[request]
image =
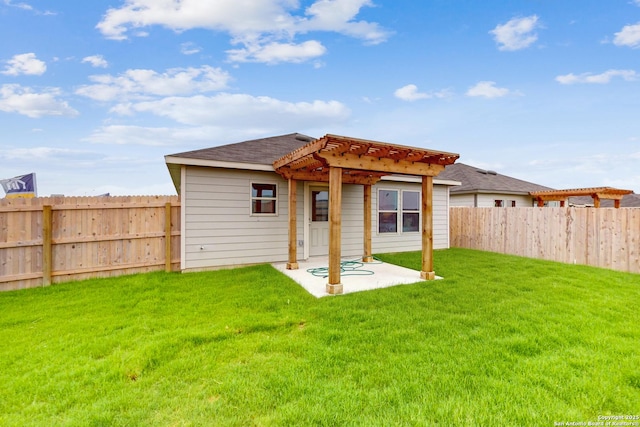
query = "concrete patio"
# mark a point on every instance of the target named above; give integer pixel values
(355, 277)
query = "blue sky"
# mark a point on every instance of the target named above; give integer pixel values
(94, 94)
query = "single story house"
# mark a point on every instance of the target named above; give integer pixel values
(485, 188)
(237, 199)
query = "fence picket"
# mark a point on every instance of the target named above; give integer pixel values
(89, 237)
(606, 237)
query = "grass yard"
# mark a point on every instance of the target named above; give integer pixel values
(501, 341)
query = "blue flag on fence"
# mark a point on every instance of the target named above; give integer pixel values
(20, 186)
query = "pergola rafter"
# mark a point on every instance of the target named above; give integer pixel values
(339, 159)
(597, 193)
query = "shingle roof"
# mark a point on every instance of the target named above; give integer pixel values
(476, 180)
(263, 151)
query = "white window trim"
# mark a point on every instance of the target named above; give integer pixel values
(399, 211)
(402, 211)
(379, 211)
(251, 198)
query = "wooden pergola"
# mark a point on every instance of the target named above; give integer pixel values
(343, 160)
(597, 193)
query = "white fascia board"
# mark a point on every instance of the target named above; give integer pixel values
(217, 164)
(418, 179)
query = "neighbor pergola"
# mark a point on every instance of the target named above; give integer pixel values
(597, 193)
(340, 159)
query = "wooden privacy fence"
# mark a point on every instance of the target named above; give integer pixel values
(607, 238)
(56, 239)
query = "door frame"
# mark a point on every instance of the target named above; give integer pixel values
(306, 230)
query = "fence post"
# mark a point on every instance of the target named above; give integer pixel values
(167, 237)
(46, 245)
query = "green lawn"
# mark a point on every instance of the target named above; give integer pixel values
(500, 341)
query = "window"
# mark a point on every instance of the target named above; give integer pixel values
(410, 211)
(319, 205)
(387, 211)
(504, 203)
(263, 199)
(394, 216)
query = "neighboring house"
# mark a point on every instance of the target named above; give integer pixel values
(484, 188)
(235, 208)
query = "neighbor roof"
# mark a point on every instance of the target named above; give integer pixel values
(476, 180)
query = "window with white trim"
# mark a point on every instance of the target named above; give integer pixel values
(264, 199)
(387, 211)
(410, 211)
(398, 211)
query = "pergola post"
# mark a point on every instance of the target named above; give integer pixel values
(293, 238)
(335, 230)
(427, 272)
(367, 256)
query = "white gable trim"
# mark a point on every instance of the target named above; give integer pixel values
(217, 164)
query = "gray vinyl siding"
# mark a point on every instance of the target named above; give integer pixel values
(402, 242)
(219, 230)
(352, 220)
(488, 200)
(463, 200)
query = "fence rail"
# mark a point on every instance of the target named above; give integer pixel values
(607, 238)
(56, 239)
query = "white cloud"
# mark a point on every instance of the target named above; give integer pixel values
(40, 153)
(189, 48)
(487, 89)
(517, 33)
(268, 27)
(149, 136)
(241, 110)
(26, 6)
(339, 15)
(273, 53)
(15, 98)
(410, 93)
(628, 36)
(23, 6)
(97, 61)
(143, 83)
(25, 63)
(628, 75)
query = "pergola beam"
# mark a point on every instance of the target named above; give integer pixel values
(384, 164)
(596, 193)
